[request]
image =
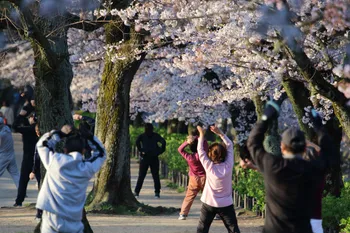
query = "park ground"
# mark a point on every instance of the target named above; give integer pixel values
(21, 219)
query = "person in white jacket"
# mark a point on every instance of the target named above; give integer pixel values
(7, 153)
(63, 192)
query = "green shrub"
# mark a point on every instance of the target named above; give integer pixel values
(336, 211)
(251, 183)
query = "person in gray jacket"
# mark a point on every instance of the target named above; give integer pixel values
(7, 153)
(63, 192)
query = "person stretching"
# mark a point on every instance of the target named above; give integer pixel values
(63, 192)
(217, 193)
(196, 172)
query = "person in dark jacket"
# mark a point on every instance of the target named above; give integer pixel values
(29, 137)
(147, 144)
(36, 172)
(290, 180)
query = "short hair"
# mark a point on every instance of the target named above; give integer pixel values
(217, 152)
(75, 143)
(195, 132)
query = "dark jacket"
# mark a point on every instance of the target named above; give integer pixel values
(289, 184)
(148, 144)
(29, 137)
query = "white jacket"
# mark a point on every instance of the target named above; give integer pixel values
(63, 191)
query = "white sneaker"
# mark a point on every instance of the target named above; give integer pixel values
(182, 217)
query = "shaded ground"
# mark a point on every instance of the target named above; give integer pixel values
(15, 220)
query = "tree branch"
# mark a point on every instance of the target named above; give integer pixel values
(75, 21)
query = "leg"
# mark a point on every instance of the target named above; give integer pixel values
(13, 170)
(38, 178)
(228, 216)
(206, 218)
(155, 174)
(23, 181)
(47, 224)
(192, 191)
(4, 164)
(142, 174)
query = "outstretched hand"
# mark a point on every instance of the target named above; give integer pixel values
(200, 130)
(216, 130)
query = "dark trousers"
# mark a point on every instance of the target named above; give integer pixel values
(26, 169)
(227, 214)
(153, 163)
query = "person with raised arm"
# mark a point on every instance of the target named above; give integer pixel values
(217, 193)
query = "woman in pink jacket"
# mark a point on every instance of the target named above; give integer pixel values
(217, 193)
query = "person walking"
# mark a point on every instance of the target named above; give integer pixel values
(29, 137)
(217, 193)
(289, 180)
(63, 192)
(7, 153)
(196, 172)
(147, 144)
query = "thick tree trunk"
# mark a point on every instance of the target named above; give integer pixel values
(52, 92)
(299, 96)
(112, 186)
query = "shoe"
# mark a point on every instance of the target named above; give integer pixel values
(182, 217)
(217, 217)
(136, 195)
(157, 196)
(17, 205)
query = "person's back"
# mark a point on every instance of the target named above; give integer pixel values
(63, 192)
(290, 181)
(289, 184)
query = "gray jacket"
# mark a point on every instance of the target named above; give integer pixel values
(63, 191)
(6, 143)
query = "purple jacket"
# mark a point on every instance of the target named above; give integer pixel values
(196, 167)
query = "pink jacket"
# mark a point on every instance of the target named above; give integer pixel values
(218, 185)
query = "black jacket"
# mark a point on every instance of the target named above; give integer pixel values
(29, 137)
(289, 184)
(148, 144)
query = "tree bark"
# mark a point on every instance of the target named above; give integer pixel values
(112, 186)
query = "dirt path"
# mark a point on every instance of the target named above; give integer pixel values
(16, 220)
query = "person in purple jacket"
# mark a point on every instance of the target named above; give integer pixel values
(196, 172)
(217, 193)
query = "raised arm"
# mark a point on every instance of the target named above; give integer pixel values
(257, 135)
(202, 153)
(255, 144)
(182, 151)
(46, 147)
(98, 155)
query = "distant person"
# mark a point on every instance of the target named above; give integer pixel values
(36, 174)
(217, 193)
(147, 144)
(63, 192)
(196, 172)
(7, 113)
(290, 181)
(26, 127)
(7, 153)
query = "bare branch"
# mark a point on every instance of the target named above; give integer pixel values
(75, 21)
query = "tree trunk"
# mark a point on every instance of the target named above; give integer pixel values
(299, 97)
(52, 92)
(112, 186)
